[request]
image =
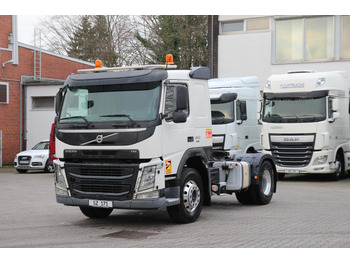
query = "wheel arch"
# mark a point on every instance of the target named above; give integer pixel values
(256, 160)
(197, 158)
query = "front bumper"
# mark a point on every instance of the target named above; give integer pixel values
(328, 167)
(119, 184)
(34, 165)
(126, 204)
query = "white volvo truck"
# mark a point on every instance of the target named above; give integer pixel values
(234, 104)
(305, 121)
(141, 138)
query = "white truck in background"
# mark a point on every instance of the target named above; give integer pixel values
(305, 123)
(141, 138)
(234, 102)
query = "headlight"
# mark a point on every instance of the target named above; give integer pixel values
(61, 186)
(320, 160)
(39, 156)
(148, 178)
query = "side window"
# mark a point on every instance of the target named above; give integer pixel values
(170, 102)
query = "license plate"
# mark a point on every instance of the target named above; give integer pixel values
(23, 162)
(101, 203)
(292, 171)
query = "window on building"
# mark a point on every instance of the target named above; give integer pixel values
(4, 93)
(346, 36)
(43, 102)
(305, 39)
(257, 24)
(235, 26)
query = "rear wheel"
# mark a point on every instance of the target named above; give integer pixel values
(261, 194)
(94, 212)
(191, 198)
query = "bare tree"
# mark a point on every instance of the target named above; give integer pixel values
(57, 31)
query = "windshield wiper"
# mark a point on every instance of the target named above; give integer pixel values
(82, 117)
(123, 115)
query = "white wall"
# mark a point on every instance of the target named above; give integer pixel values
(245, 54)
(38, 121)
(249, 53)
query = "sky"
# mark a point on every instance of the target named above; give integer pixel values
(30, 12)
(26, 25)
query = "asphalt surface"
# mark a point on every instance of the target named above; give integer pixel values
(306, 212)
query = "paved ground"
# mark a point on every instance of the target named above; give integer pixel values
(306, 212)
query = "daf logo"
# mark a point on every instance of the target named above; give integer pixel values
(99, 139)
(291, 139)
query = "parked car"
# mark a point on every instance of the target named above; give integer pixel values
(35, 159)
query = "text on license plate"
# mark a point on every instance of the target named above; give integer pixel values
(101, 203)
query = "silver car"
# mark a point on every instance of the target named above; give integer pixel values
(35, 159)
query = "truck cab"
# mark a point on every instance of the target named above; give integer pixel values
(141, 138)
(305, 120)
(234, 101)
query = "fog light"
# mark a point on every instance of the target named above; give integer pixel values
(153, 194)
(320, 160)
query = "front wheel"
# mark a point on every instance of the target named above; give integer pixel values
(339, 163)
(94, 212)
(261, 194)
(191, 198)
(49, 167)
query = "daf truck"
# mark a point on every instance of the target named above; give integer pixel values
(305, 122)
(141, 138)
(233, 108)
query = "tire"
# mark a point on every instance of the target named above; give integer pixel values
(94, 212)
(281, 176)
(22, 171)
(191, 198)
(261, 194)
(243, 197)
(49, 168)
(339, 173)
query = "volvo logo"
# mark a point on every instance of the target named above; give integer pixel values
(99, 139)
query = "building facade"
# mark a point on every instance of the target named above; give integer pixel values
(17, 72)
(266, 45)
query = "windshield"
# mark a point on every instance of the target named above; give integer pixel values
(222, 113)
(294, 109)
(125, 102)
(41, 146)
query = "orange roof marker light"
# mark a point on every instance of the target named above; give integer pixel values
(98, 64)
(169, 59)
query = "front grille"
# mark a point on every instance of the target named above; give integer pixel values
(24, 160)
(292, 154)
(102, 181)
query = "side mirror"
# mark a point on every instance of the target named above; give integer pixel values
(243, 109)
(336, 115)
(181, 98)
(58, 100)
(179, 117)
(335, 104)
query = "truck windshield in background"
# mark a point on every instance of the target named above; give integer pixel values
(124, 102)
(294, 109)
(222, 113)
